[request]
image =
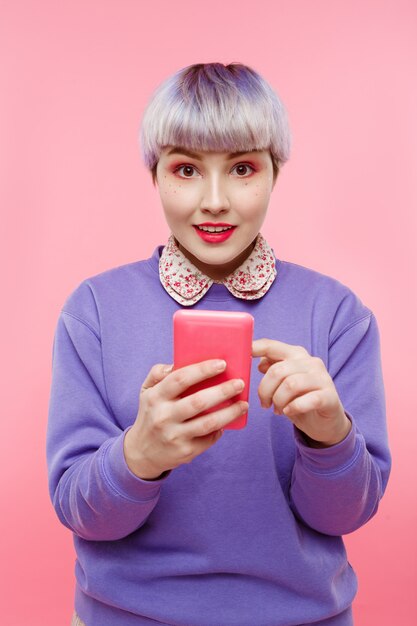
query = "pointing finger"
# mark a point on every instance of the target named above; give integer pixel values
(276, 350)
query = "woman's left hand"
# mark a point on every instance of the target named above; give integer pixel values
(300, 387)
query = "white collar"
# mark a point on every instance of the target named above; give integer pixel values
(187, 284)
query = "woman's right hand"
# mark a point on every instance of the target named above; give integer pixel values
(161, 437)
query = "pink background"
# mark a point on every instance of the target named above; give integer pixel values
(76, 200)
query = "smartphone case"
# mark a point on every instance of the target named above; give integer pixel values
(202, 334)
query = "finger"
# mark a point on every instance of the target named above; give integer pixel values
(311, 401)
(207, 425)
(198, 445)
(155, 375)
(293, 389)
(181, 379)
(264, 364)
(206, 399)
(324, 401)
(276, 350)
(275, 376)
(266, 361)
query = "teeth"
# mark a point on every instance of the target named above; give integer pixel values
(214, 229)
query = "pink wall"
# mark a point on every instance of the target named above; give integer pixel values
(76, 200)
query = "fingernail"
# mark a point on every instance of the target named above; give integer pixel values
(220, 365)
(166, 370)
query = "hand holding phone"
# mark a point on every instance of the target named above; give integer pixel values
(164, 435)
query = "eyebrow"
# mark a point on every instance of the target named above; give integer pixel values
(195, 155)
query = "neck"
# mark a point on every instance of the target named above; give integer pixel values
(218, 272)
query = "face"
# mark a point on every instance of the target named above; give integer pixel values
(215, 188)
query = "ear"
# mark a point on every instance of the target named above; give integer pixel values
(154, 173)
(274, 180)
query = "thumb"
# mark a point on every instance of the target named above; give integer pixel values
(155, 375)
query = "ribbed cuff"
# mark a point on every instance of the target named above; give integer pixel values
(122, 479)
(333, 458)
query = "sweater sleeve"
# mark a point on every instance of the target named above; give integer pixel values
(336, 490)
(92, 489)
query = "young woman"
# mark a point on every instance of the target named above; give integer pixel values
(175, 521)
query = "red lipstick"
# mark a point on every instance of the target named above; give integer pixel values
(215, 237)
(214, 224)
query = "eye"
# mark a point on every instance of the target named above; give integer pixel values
(243, 165)
(187, 168)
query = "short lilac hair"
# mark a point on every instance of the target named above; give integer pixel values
(215, 107)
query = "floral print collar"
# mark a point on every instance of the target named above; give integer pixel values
(187, 284)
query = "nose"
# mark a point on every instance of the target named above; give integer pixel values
(215, 198)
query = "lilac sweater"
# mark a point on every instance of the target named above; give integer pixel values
(249, 532)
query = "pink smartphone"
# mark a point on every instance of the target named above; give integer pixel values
(228, 335)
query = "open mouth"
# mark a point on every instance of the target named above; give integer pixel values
(212, 234)
(214, 229)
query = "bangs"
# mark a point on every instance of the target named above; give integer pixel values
(212, 107)
(207, 128)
